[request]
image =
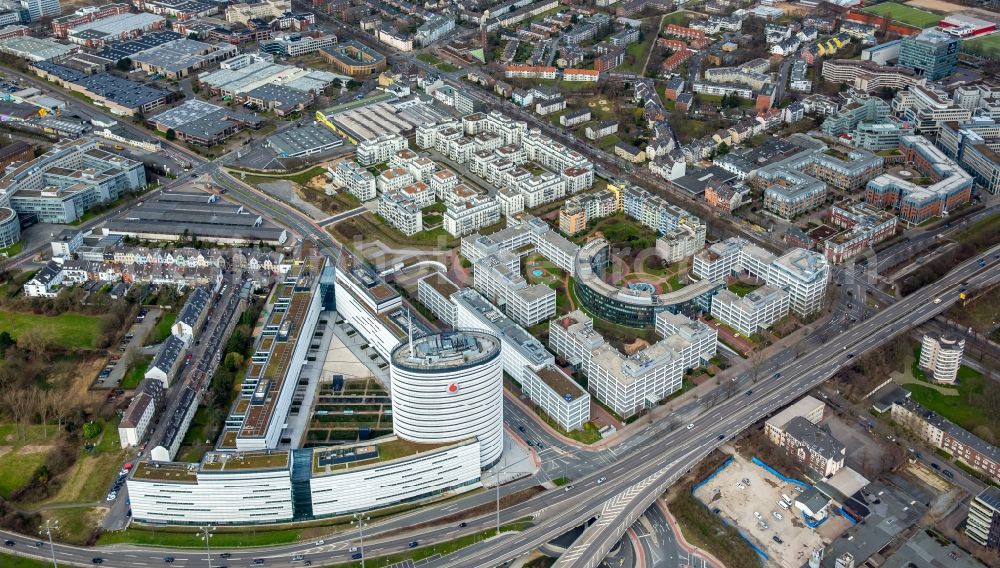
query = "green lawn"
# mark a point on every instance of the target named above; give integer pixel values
(161, 332)
(16, 470)
(988, 46)
(639, 51)
(741, 289)
(137, 369)
(959, 409)
(976, 230)
(191, 539)
(13, 249)
(904, 14)
(75, 524)
(69, 330)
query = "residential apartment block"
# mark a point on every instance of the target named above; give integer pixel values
(498, 277)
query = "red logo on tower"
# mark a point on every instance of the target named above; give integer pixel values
(452, 388)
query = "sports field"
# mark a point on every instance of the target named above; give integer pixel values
(904, 14)
(987, 46)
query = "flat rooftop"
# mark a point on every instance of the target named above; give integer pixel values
(242, 461)
(369, 453)
(448, 350)
(168, 472)
(561, 383)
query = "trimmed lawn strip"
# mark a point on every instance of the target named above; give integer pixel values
(162, 330)
(190, 539)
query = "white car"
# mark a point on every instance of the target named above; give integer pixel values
(690, 426)
(937, 300)
(763, 525)
(776, 515)
(740, 485)
(758, 515)
(112, 496)
(320, 542)
(601, 480)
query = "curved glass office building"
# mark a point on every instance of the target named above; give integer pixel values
(631, 307)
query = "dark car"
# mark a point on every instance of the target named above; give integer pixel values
(225, 555)
(356, 556)
(413, 544)
(169, 560)
(8, 543)
(722, 436)
(777, 375)
(947, 474)
(97, 560)
(258, 561)
(749, 392)
(935, 466)
(777, 540)
(463, 525)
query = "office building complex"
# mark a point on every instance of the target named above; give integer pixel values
(880, 135)
(379, 149)
(627, 384)
(860, 109)
(630, 305)
(870, 76)
(448, 387)
(971, 143)
(932, 53)
(498, 277)
(257, 417)
(368, 303)
(803, 274)
(927, 107)
(941, 356)
(983, 522)
(756, 311)
(73, 176)
(944, 185)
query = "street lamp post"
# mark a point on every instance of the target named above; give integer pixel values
(361, 520)
(49, 525)
(206, 534)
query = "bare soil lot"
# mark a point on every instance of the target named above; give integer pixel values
(737, 506)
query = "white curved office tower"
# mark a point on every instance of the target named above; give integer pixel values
(448, 387)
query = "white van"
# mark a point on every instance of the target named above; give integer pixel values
(783, 505)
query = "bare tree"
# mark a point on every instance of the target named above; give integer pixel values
(756, 360)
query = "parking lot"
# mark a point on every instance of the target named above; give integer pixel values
(760, 494)
(131, 343)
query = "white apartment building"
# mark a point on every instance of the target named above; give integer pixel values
(379, 149)
(393, 179)
(754, 312)
(427, 134)
(577, 179)
(941, 355)
(442, 181)
(498, 278)
(510, 130)
(558, 395)
(420, 167)
(542, 189)
(511, 202)
(358, 181)
(687, 238)
(139, 414)
(464, 217)
(551, 154)
(400, 210)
